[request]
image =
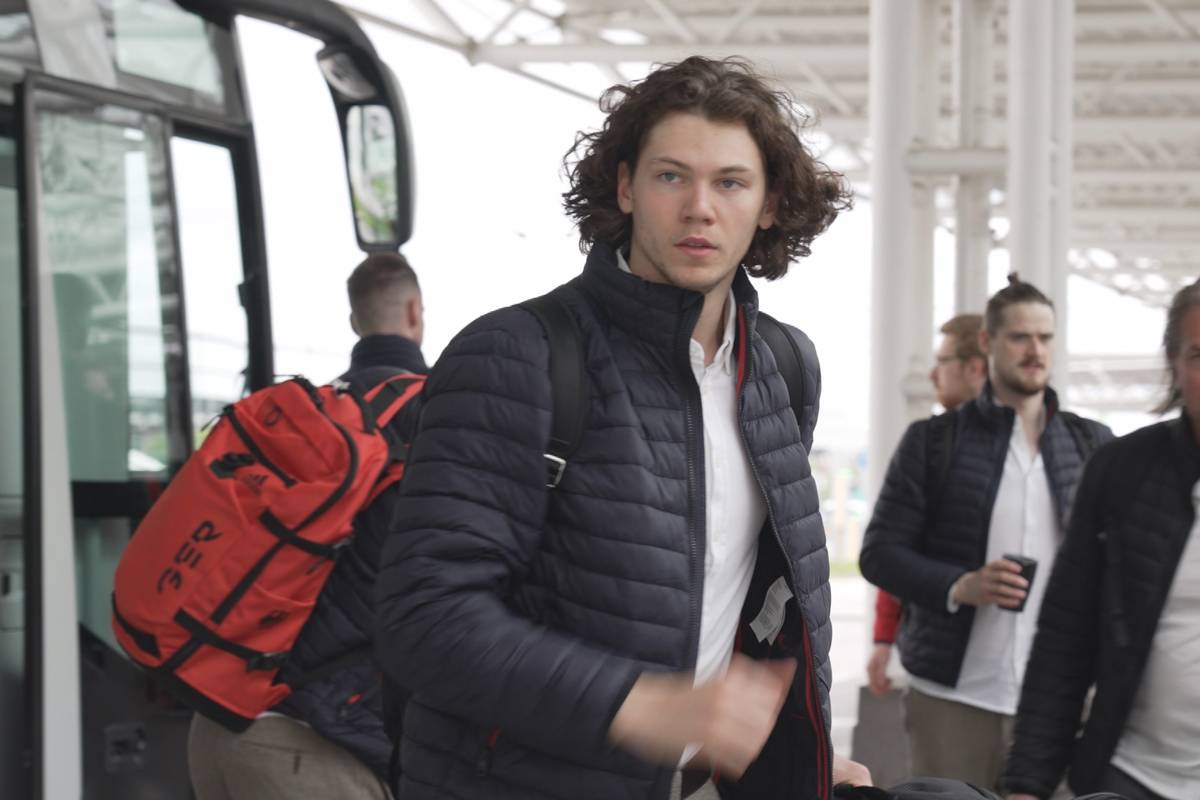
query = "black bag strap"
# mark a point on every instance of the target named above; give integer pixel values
(787, 358)
(568, 402)
(1083, 434)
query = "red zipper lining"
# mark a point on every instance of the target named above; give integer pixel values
(741, 349)
(810, 698)
(811, 702)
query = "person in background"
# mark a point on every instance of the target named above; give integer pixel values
(958, 375)
(1009, 463)
(1122, 611)
(327, 739)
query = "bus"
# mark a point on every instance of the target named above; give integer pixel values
(134, 303)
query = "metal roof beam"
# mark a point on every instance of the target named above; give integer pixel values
(1172, 18)
(1167, 50)
(846, 24)
(1140, 215)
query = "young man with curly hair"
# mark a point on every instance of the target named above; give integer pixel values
(656, 625)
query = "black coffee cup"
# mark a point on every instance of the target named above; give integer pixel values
(1028, 570)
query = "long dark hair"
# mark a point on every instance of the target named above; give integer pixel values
(810, 195)
(1184, 301)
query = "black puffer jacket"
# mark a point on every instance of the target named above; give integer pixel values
(917, 553)
(347, 706)
(1131, 519)
(520, 617)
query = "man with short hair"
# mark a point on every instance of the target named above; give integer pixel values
(327, 739)
(962, 492)
(653, 621)
(959, 373)
(1122, 611)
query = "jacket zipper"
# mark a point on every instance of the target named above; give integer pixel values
(690, 392)
(696, 510)
(811, 696)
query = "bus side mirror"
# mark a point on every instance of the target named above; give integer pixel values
(375, 138)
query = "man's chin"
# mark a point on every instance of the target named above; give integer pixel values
(1027, 388)
(698, 280)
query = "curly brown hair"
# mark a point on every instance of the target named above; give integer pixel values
(810, 195)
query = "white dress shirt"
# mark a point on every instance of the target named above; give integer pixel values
(1160, 747)
(734, 507)
(1023, 522)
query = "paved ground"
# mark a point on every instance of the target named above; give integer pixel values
(853, 609)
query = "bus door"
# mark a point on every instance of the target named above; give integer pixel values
(133, 307)
(114, 412)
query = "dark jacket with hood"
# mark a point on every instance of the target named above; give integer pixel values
(917, 553)
(346, 707)
(521, 616)
(1131, 519)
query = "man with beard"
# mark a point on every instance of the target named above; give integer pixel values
(990, 479)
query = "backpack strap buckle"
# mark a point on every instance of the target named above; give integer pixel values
(265, 661)
(555, 467)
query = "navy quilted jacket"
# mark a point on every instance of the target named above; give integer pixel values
(1129, 526)
(520, 616)
(917, 553)
(347, 706)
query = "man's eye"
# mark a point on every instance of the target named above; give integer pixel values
(668, 177)
(729, 183)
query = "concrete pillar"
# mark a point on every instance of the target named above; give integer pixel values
(1062, 156)
(1040, 110)
(1030, 125)
(973, 79)
(892, 109)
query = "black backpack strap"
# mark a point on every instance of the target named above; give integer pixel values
(940, 434)
(568, 402)
(787, 358)
(1083, 433)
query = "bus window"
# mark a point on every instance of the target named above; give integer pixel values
(211, 254)
(157, 39)
(13, 730)
(107, 236)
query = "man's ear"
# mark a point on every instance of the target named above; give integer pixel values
(624, 188)
(414, 312)
(985, 345)
(354, 325)
(770, 207)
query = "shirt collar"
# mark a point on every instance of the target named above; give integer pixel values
(724, 355)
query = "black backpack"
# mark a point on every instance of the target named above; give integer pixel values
(567, 375)
(935, 789)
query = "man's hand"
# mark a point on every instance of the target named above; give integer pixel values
(877, 678)
(851, 772)
(998, 583)
(729, 718)
(1022, 797)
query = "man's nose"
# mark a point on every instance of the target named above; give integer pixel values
(699, 204)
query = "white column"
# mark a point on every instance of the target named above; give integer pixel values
(1030, 124)
(1062, 156)
(973, 20)
(918, 392)
(892, 75)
